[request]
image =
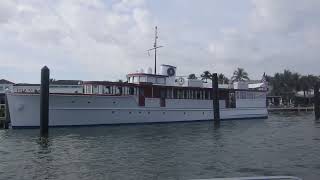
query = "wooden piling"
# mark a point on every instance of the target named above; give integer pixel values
(316, 102)
(215, 89)
(7, 114)
(44, 102)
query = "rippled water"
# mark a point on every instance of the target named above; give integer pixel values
(284, 144)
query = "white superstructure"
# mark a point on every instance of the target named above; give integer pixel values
(5, 86)
(145, 98)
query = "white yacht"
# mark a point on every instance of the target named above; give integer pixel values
(144, 98)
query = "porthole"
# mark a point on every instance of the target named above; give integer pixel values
(113, 102)
(113, 112)
(139, 112)
(163, 112)
(89, 102)
(148, 112)
(130, 112)
(184, 113)
(203, 113)
(72, 101)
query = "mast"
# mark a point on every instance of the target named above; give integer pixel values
(155, 47)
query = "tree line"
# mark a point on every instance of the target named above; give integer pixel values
(285, 84)
(238, 75)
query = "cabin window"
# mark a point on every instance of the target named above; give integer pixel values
(151, 79)
(143, 79)
(156, 92)
(95, 89)
(160, 81)
(162, 93)
(107, 89)
(232, 100)
(181, 94)
(208, 94)
(169, 93)
(175, 93)
(135, 79)
(119, 90)
(198, 94)
(131, 90)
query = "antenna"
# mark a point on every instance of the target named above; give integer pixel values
(155, 47)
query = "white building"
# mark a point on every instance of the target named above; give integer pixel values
(5, 85)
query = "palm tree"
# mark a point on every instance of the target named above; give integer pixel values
(222, 79)
(240, 75)
(304, 82)
(192, 76)
(206, 75)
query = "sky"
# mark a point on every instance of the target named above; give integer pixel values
(106, 39)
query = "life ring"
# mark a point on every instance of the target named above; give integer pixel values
(181, 81)
(171, 72)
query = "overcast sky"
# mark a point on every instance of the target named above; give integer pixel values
(105, 39)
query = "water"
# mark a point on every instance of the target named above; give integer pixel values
(284, 144)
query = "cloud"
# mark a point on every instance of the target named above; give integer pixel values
(277, 35)
(101, 38)
(104, 40)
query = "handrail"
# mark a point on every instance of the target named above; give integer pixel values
(257, 178)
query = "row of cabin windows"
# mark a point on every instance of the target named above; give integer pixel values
(137, 79)
(171, 93)
(112, 90)
(250, 95)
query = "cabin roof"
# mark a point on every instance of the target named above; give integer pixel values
(26, 84)
(66, 82)
(4, 81)
(146, 74)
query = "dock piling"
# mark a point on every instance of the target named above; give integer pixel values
(316, 101)
(7, 114)
(44, 102)
(215, 89)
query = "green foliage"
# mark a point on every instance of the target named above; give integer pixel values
(206, 75)
(240, 75)
(286, 84)
(222, 79)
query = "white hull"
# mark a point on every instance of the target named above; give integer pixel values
(80, 110)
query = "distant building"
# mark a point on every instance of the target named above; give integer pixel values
(5, 85)
(56, 86)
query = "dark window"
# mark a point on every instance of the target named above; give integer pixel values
(131, 90)
(175, 93)
(185, 92)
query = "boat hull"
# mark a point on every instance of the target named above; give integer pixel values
(89, 110)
